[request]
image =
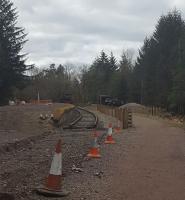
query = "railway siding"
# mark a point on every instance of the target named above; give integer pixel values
(85, 120)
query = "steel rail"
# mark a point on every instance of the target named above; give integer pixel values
(77, 123)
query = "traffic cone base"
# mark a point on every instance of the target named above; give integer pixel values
(94, 153)
(117, 130)
(50, 193)
(54, 182)
(109, 140)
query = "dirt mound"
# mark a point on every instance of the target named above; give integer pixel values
(133, 106)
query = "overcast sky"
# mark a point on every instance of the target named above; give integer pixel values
(75, 31)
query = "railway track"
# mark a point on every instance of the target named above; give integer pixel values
(86, 120)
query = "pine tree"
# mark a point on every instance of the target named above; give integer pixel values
(121, 79)
(97, 79)
(112, 62)
(158, 62)
(12, 39)
(167, 36)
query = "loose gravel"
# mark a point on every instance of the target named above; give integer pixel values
(147, 162)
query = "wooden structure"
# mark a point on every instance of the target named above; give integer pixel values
(124, 115)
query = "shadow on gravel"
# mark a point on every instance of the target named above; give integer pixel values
(6, 196)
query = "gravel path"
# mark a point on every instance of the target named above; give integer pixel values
(147, 162)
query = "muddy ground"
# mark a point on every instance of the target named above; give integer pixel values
(147, 162)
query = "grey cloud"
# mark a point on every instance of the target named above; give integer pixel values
(76, 30)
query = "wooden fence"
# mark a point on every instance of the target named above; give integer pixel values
(152, 110)
(124, 115)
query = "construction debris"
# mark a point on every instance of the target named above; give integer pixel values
(99, 174)
(76, 169)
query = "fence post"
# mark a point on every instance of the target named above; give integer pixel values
(129, 118)
(122, 117)
(116, 113)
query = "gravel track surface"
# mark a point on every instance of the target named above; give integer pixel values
(147, 162)
(87, 119)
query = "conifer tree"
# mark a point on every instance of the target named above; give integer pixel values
(12, 39)
(161, 63)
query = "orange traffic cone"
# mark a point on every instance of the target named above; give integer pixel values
(118, 128)
(53, 184)
(109, 138)
(94, 150)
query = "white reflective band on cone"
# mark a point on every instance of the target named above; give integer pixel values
(56, 165)
(110, 131)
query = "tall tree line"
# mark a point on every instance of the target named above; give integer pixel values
(108, 76)
(156, 78)
(160, 68)
(105, 76)
(52, 82)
